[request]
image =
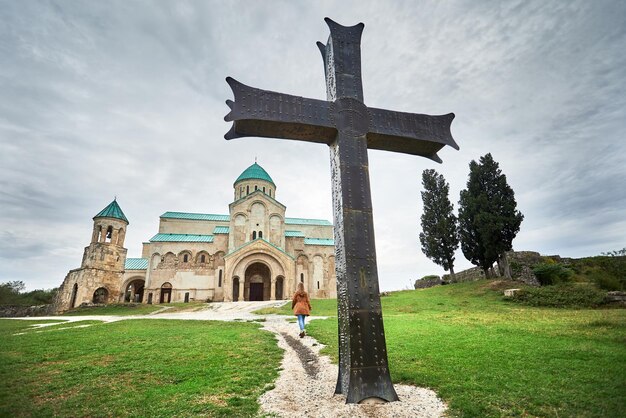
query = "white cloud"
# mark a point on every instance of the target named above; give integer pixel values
(127, 99)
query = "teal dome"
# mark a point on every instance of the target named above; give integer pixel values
(113, 210)
(254, 172)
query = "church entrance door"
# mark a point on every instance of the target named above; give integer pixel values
(166, 293)
(257, 282)
(256, 291)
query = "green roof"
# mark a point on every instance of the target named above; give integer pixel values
(221, 230)
(136, 264)
(181, 238)
(226, 218)
(296, 234)
(319, 241)
(196, 216)
(254, 172)
(302, 221)
(113, 210)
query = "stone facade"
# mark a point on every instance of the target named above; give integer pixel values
(253, 253)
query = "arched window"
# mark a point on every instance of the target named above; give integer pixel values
(256, 188)
(219, 280)
(203, 258)
(185, 258)
(73, 298)
(301, 277)
(247, 189)
(263, 189)
(318, 285)
(260, 234)
(241, 191)
(270, 192)
(120, 237)
(109, 234)
(253, 234)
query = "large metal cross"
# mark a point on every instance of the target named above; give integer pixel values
(349, 128)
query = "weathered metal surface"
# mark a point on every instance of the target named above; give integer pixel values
(349, 127)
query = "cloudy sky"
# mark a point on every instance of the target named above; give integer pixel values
(126, 98)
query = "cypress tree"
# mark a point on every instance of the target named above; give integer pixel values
(488, 218)
(439, 236)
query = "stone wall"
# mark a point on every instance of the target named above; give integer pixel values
(469, 275)
(521, 264)
(22, 311)
(427, 282)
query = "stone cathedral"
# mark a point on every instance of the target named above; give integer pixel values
(254, 253)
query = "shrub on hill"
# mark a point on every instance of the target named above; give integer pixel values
(564, 295)
(606, 272)
(552, 273)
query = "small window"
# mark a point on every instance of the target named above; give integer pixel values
(247, 189)
(318, 285)
(253, 234)
(301, 277)
(256, 188)
(202, 258)
(219, 280)
(263, 189)
(270, 192)
(185, 258)
(260, 234)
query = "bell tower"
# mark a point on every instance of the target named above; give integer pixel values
(106, 250)
(99, 278)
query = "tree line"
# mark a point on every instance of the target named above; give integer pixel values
(12, 293)
(487, 221)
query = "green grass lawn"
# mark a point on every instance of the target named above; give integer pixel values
(156, 368)
(489, 357)
(485, 356)
(124, 309)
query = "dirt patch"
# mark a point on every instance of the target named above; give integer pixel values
(307, 357)
(212, 399)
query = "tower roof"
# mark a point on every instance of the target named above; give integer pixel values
(113, 210)
(254, 172)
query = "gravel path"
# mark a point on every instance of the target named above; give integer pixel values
(306, 384)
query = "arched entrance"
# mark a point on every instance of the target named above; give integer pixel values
(280, 280)
(166, 293)
(257, 282)
(134, 291)
(101, 295)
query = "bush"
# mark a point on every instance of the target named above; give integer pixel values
(561, 296)
(608, 283)
(552, 273)
(431, 277)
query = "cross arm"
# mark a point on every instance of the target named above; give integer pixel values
(410, 133)
(256, 112)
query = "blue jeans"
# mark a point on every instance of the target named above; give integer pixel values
(301, 321)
